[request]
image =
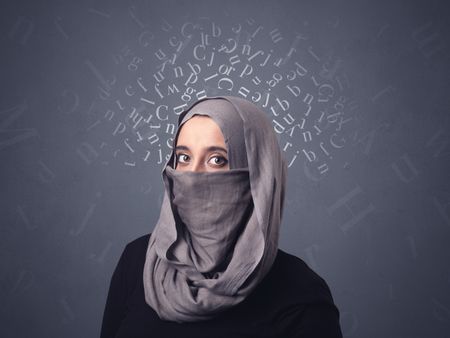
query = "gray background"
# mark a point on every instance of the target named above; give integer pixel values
(370, 214)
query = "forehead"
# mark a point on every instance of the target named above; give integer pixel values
(200, 129)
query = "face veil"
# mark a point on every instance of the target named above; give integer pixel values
(217, 234)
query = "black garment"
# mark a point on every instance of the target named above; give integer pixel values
(291, 301)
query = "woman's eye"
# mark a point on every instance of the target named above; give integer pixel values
(182, 158)
(219, 160)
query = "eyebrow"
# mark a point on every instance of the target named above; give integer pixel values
(211, 148)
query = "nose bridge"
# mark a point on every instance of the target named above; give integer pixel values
(198, 165)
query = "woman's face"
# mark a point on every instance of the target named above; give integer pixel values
(201, 146)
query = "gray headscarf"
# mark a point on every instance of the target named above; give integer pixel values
(217, 234)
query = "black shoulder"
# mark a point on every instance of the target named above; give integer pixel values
(138, 243)
(134, 252)
(301, 277)
(132, 261)
(315, 311)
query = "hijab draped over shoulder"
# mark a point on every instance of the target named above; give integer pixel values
(217, 234)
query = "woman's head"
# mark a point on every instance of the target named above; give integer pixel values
(212, 123)
(201, 146)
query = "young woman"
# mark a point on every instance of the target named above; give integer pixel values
(212, 266)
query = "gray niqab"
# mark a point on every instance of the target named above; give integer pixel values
(217, 234)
